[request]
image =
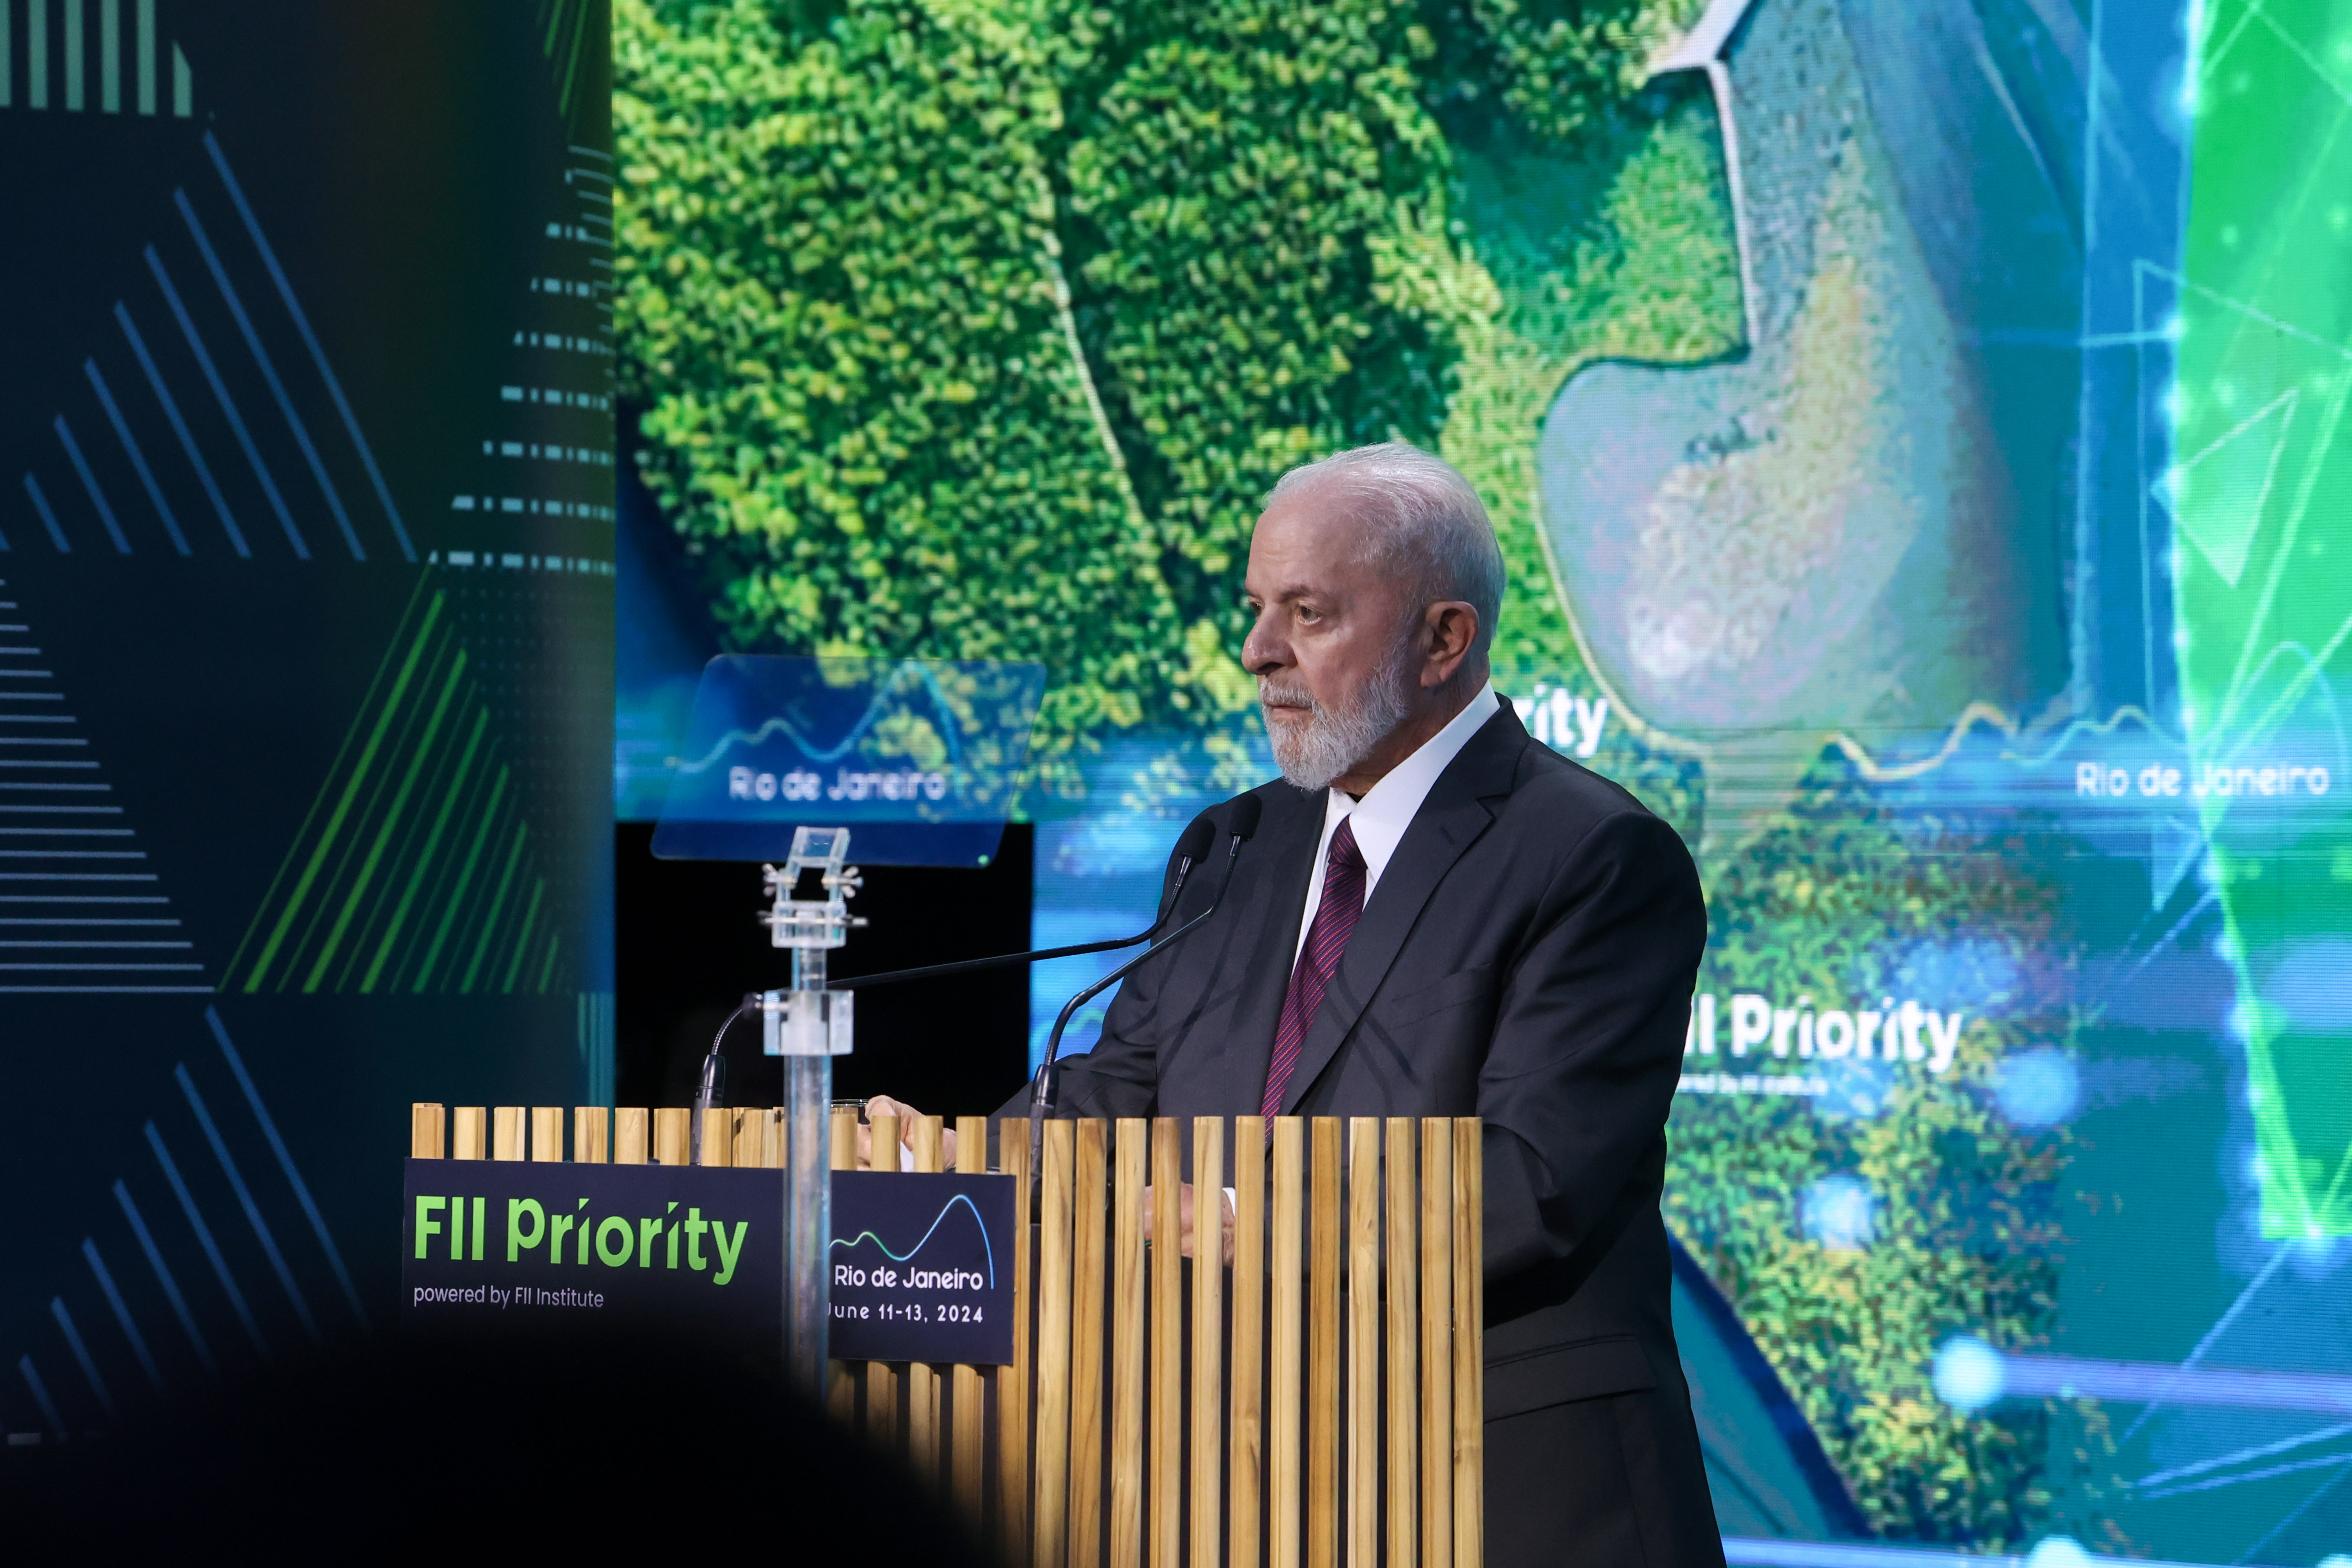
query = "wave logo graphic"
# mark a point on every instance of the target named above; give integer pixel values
(886, 689)
(864, 1235)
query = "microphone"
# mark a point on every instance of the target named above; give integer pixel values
(712, 1088)
(1191, 849)
(1246, 811)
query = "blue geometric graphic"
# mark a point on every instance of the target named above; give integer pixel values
(170, 1286)
(228, 405)
(138, 458)
(204, 1238)
(122, 1314)
(49, 518)
(220, 376)
(79, 911)
(89, 483)
(111, 1367)
(311, 341)
(81, 1353)
(180, 428)
(268, 371)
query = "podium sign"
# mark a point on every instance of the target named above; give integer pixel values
(558, 1249)
(922, 1261)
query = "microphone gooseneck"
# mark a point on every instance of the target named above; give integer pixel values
(713, 1083)
(1240, 826)
(1191, 849)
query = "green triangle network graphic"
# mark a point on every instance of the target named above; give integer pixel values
(414, 870)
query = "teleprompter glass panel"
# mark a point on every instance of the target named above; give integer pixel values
(919, 759)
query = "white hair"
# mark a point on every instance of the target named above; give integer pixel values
(1421, 520)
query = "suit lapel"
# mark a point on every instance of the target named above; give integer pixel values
(1449, 821)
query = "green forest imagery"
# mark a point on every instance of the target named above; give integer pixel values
(964, 329)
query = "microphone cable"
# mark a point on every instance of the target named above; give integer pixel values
(1190, 848)
(713, 1081)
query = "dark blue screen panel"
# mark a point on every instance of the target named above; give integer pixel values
(306, 588)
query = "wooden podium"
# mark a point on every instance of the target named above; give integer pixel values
(1318, 1402)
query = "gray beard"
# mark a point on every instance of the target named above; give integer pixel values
(1337, 737)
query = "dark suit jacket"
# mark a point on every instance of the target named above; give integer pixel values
(1528, 956)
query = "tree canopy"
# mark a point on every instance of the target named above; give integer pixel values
(979, 330)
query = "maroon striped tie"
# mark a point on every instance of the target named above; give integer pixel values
(1327, 939)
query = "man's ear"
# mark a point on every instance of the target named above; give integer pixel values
(1451, 626)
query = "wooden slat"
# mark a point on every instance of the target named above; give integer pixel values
(1086, 1346)
(671, 1124)
(1167, 1412)
(1363, 1340)
(718, 1143)
(507, 1132)
(591, 1134)
(1134, 1155)
(1245, 1464)
(1403, 1381)
(967, 1390)
(547, 1133)
(470, 1133)
(1053, 1449)
(632, 1135)
(1469, 1345)
(1208, 1339)
(1437, 1342)
(923, 1379)
(840, 1387)
(751, 1138)
(427, 1128)
(1286, 1445)
(1323, 1345)
(882, 1407)
(881, 1376)
(1012, 1382)
(929, 1137)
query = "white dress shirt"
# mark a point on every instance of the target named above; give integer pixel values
(1389, 808)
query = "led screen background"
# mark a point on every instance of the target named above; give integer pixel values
(1912, 430)
(306, 589)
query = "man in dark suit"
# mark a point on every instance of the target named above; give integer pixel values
(1439, 916)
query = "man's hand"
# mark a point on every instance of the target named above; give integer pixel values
(882, 1105)
(1185, 1218)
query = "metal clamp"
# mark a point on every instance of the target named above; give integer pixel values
(806, 1023)
(812, 924)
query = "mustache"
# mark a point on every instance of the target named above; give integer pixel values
(1275, 694)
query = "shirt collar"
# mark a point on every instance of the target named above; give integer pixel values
(1389, 808)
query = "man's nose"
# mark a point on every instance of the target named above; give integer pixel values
(1263, 652)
